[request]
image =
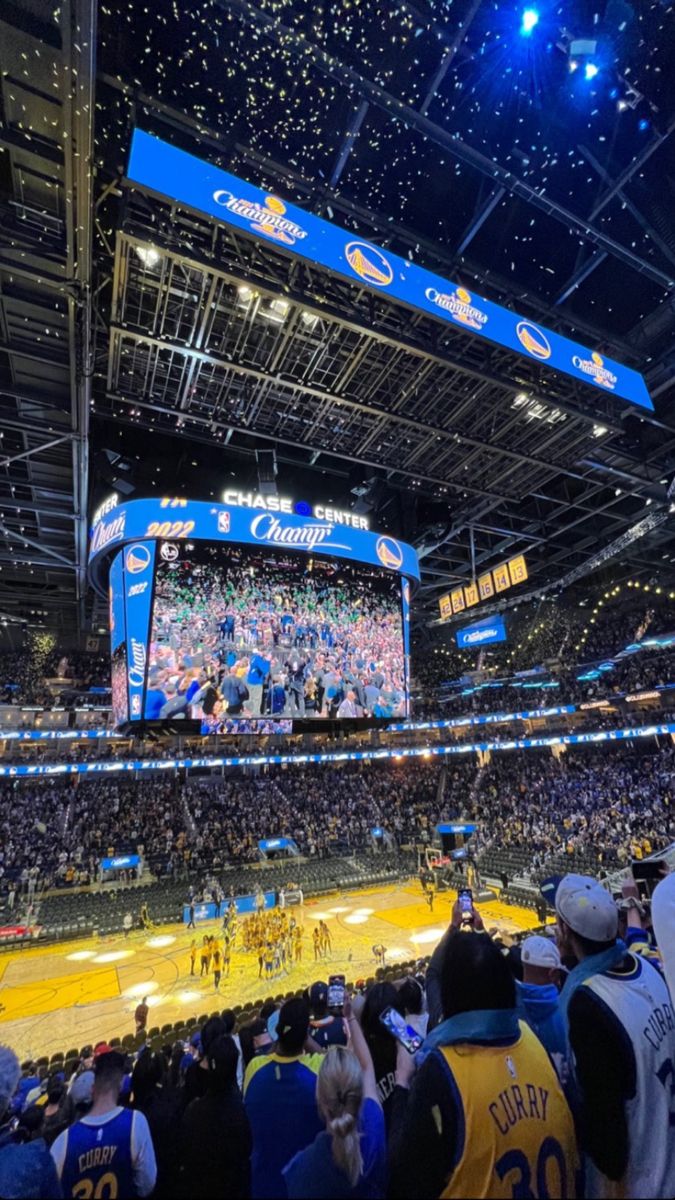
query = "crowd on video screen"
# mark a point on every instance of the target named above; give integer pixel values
(245, 634)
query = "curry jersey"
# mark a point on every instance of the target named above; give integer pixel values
(515, 1134)
(97, 1159)
(640, 1002)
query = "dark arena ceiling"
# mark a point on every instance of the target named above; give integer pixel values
(132, 327)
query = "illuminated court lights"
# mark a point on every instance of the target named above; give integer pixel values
(319, 916)
(80, 955)
(397, 951)
(339, 908)
(141, 989)
(356, 919)
(188, 997)
(156, 943)
(114, 956)
(427, 935)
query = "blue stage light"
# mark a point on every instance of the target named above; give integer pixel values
(643, 125)
(530, 18)
(591, 70)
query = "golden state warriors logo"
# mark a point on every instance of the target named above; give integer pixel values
(595, 368)
(137, 559)
(268, 218)
(533, 340)
(459, 305)
(369, 263)
(389, 553)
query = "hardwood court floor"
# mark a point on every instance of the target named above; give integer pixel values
(62, 996)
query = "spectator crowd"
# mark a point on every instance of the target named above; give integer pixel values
(590, 805)
(542, 1068)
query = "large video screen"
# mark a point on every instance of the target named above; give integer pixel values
(264, 636)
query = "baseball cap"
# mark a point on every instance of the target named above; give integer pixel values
(82, 1090)
(318, 993)
(101, 1048)
(539, 951)
(587, 907)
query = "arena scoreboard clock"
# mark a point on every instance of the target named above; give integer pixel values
(249, 616)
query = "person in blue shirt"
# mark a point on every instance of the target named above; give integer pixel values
(26, 1169)
(155, 697)
(110, 1151)
(348, 1159)
(280, 1101)
(539, 999)
(258, 674)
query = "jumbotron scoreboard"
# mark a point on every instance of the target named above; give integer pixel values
(252, 615)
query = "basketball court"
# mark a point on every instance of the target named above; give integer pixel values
(62, 996)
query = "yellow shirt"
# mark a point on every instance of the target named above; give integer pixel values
(517, 1133)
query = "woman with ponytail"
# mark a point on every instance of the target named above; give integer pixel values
(348, 1160)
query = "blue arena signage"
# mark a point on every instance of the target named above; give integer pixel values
(483, 633)
(139, 524)
(121, 862)
(169, 171)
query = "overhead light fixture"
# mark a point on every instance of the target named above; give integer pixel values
(148, 256)
(275, 310)
(599, 430)
(529, 21)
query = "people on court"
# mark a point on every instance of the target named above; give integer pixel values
(217, 960)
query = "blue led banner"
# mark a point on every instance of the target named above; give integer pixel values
(261, 760)
(172, 520)
(483, 633)
(199, 185)
(139, 562)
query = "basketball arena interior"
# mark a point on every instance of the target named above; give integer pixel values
(337, 599)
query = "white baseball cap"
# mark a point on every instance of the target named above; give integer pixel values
(537, 951)
(587, 907)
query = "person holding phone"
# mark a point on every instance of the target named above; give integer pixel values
(349, 1158)
(326, 1028)
(484, 1115)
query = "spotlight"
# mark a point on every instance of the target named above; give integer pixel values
(148, 256)
(529, 20)
(643, 125)
(591, 70)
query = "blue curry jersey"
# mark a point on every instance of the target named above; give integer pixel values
(98, 1159)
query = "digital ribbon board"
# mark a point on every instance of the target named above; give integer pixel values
(254, 611)
(168, 171)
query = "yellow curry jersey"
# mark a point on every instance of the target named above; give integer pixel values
(515, 1129)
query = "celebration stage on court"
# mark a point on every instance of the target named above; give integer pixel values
(65, 995)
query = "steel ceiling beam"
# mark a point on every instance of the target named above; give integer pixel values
(582, 411)
(5, 462)
(339, 400)
(352, 81)
(78, 27)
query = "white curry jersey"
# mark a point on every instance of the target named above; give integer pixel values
(641, 1003)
